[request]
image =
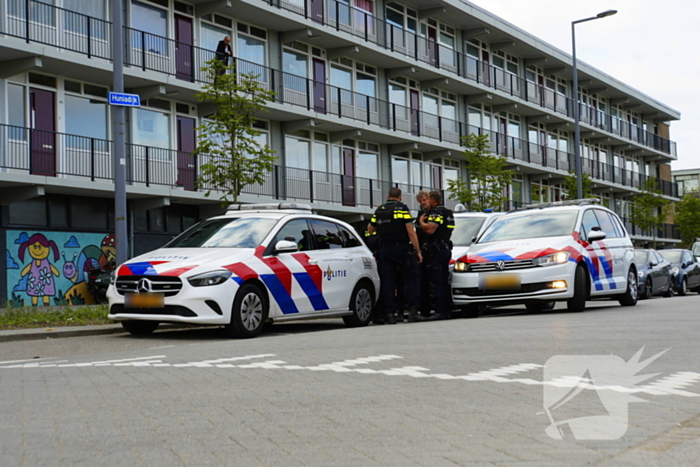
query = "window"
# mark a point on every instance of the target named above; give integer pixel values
(29, 212)
(307, 150)
(326, 234)
(227, 232)
(349, 238)
(296, 71)
(296, 231)
(251, 45)
(87, 9)
(85, 117)
(606, 224)
(589, 221)
(152, 21)
(211, 35)
(87, 213)
(399, 170)
(150, 128)
(16, 101)
(530, 225)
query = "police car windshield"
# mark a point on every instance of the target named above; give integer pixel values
(530, 224)
(247, 232)
(466, 229)
(696, 249)
(672, 256)
(640, 256)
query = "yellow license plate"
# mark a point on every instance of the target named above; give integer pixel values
(499, 281)
(144, 300)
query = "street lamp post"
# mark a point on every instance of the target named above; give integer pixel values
(577, 125)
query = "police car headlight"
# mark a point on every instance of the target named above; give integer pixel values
(559, 257)
(674, 271)
(461, 266)
(209, 278)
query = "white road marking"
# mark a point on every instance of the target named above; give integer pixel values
(673, 384)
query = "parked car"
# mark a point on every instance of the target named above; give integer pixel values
(468, 226)
(655, 276)
(254, 264)
(696, 251)
(569, 251)
(686, 271)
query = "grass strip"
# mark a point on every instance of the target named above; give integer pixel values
(20, 318)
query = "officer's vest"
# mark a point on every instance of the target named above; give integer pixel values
(390, 220)
(446, 224)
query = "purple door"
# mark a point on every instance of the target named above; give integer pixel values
(319, 85)
(432, 46)
(186, 164)
(184, 59)
(415, 106)
(317, 11)
(42, 160)
(348, 177)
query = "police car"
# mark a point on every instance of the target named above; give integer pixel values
(255, 264)
(569, 251)
(468, 226)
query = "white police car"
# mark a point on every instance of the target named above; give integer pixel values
(570, 251)
(468, 226)
(256, 263)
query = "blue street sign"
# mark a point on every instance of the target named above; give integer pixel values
(120, 98)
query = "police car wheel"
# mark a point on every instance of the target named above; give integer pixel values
(361, 302)
(249, 313)
(472, 311)
(140, 328)
(577, 303)
(630, 297)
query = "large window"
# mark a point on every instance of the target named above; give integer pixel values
(211, 35)
(86, 117)
(153, 21)
(17, 102)
(251, 44)
(151, 128)
(296, 69)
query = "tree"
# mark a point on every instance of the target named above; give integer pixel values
(649, 207)
(228, 141)
(488, 177)
(687, 216)
(570, 189)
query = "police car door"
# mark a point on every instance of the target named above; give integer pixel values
(616, 249)
(295, 281)
(336, 262)
(595, 255)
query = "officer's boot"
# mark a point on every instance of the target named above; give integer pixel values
(400, 316)
(414, 316)
(389, 318)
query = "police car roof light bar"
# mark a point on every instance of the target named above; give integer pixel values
(570, 202)
(269, 207)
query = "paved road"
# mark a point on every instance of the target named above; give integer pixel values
(460, 392)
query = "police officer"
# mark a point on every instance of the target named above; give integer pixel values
(438, 224)
(422, 197)
(399, 255)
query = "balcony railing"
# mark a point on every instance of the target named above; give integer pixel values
(41, 22)
(665, 231)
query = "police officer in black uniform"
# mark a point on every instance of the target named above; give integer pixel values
(399, 255)
(438, 224)
(422, 197)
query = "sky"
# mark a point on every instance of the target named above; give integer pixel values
(649, 45)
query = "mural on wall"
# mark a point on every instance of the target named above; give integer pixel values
(51, 268)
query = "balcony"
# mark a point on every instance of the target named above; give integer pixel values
(79, 33)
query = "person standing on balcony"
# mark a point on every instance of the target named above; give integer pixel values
(223, 52)
(399, 256)
(438, 224)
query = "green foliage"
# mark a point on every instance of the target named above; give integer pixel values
(14, 318)
(649, 208)
(687, 216)
(570, 189)
(15, 302)
(76, 299)
(60, 299)
(488, 177)
(228, 142)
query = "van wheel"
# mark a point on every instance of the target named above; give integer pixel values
(577, 303)
(140, 328)
(540, 306)
(361, 302)
(249, 313)
(630, 296)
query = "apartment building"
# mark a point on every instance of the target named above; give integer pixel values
(368, 94)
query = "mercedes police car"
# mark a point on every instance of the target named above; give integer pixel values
(254, 264)
(570, 251)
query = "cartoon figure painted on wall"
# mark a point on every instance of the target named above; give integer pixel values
(43, 276)
(40, 283)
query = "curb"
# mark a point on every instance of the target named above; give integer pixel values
(14, 335)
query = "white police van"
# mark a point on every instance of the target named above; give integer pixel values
(254, 264)
(569, 251)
